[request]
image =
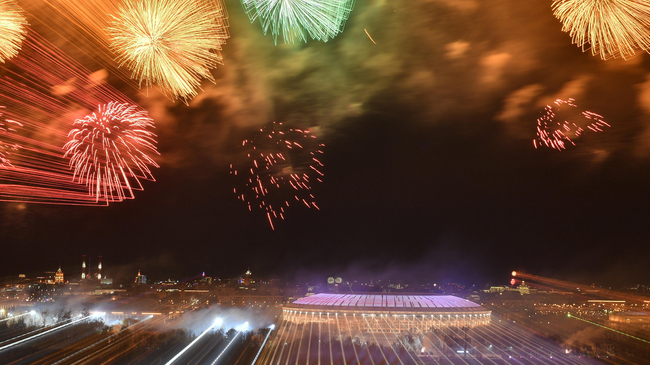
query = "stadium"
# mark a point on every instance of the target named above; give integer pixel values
(400, 329)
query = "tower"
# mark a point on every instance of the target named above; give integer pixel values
(58, 277)
(140, 279)
(99, 269)
(83, 268)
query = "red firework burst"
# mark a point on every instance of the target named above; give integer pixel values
(108, 150)
(282, 164)
(558, 133)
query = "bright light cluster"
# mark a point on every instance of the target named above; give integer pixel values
(13, 28)
(282, 165)
(107, 150)
(170, 43)
(613, 28)
(295, 19)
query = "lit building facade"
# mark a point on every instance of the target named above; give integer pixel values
(58, 277)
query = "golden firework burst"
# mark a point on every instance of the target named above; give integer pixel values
(613, 28)
(13, 28)
(169, 43)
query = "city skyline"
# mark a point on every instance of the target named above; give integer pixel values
(429, 161)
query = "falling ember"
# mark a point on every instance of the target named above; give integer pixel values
(558, 133)
(170, 43)
(321, 20)
(612, 28)
(281, 166)
(13, 27)
(368, 34)
(107, 150)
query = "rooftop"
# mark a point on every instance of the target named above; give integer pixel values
(377, 301)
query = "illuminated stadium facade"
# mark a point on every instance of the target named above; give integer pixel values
(400, 329)
(368, 314)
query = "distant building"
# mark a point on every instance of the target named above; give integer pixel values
(140, 279)
(634, 318)
(58, 277)
(247, 281)
(523, 289)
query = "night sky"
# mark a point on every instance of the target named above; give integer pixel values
(430, 169)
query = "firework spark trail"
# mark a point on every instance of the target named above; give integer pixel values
(368, 34)
(612, 28)
(13, 28)
(44, 92)
(320, 19)
(558, 133)
(105, 150)
(170, 43)
(282, 164)
(6, 127)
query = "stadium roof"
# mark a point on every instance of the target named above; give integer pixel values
(389, 302)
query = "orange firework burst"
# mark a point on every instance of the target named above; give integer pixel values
(106, 150)
(613, 28)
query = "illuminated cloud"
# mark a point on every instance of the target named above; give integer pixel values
(460, 5)
(493, 66)
(518, 103)
(456, 49)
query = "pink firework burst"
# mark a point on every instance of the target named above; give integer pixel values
(282, 164)
(109, 149)
(557, 132)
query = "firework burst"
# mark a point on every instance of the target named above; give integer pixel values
(282, 165)
(13, 28)
(320, 19)
(106, 150)
(613, 28)
(170, 43)
(558, 133)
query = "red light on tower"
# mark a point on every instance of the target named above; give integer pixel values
(513, 281)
